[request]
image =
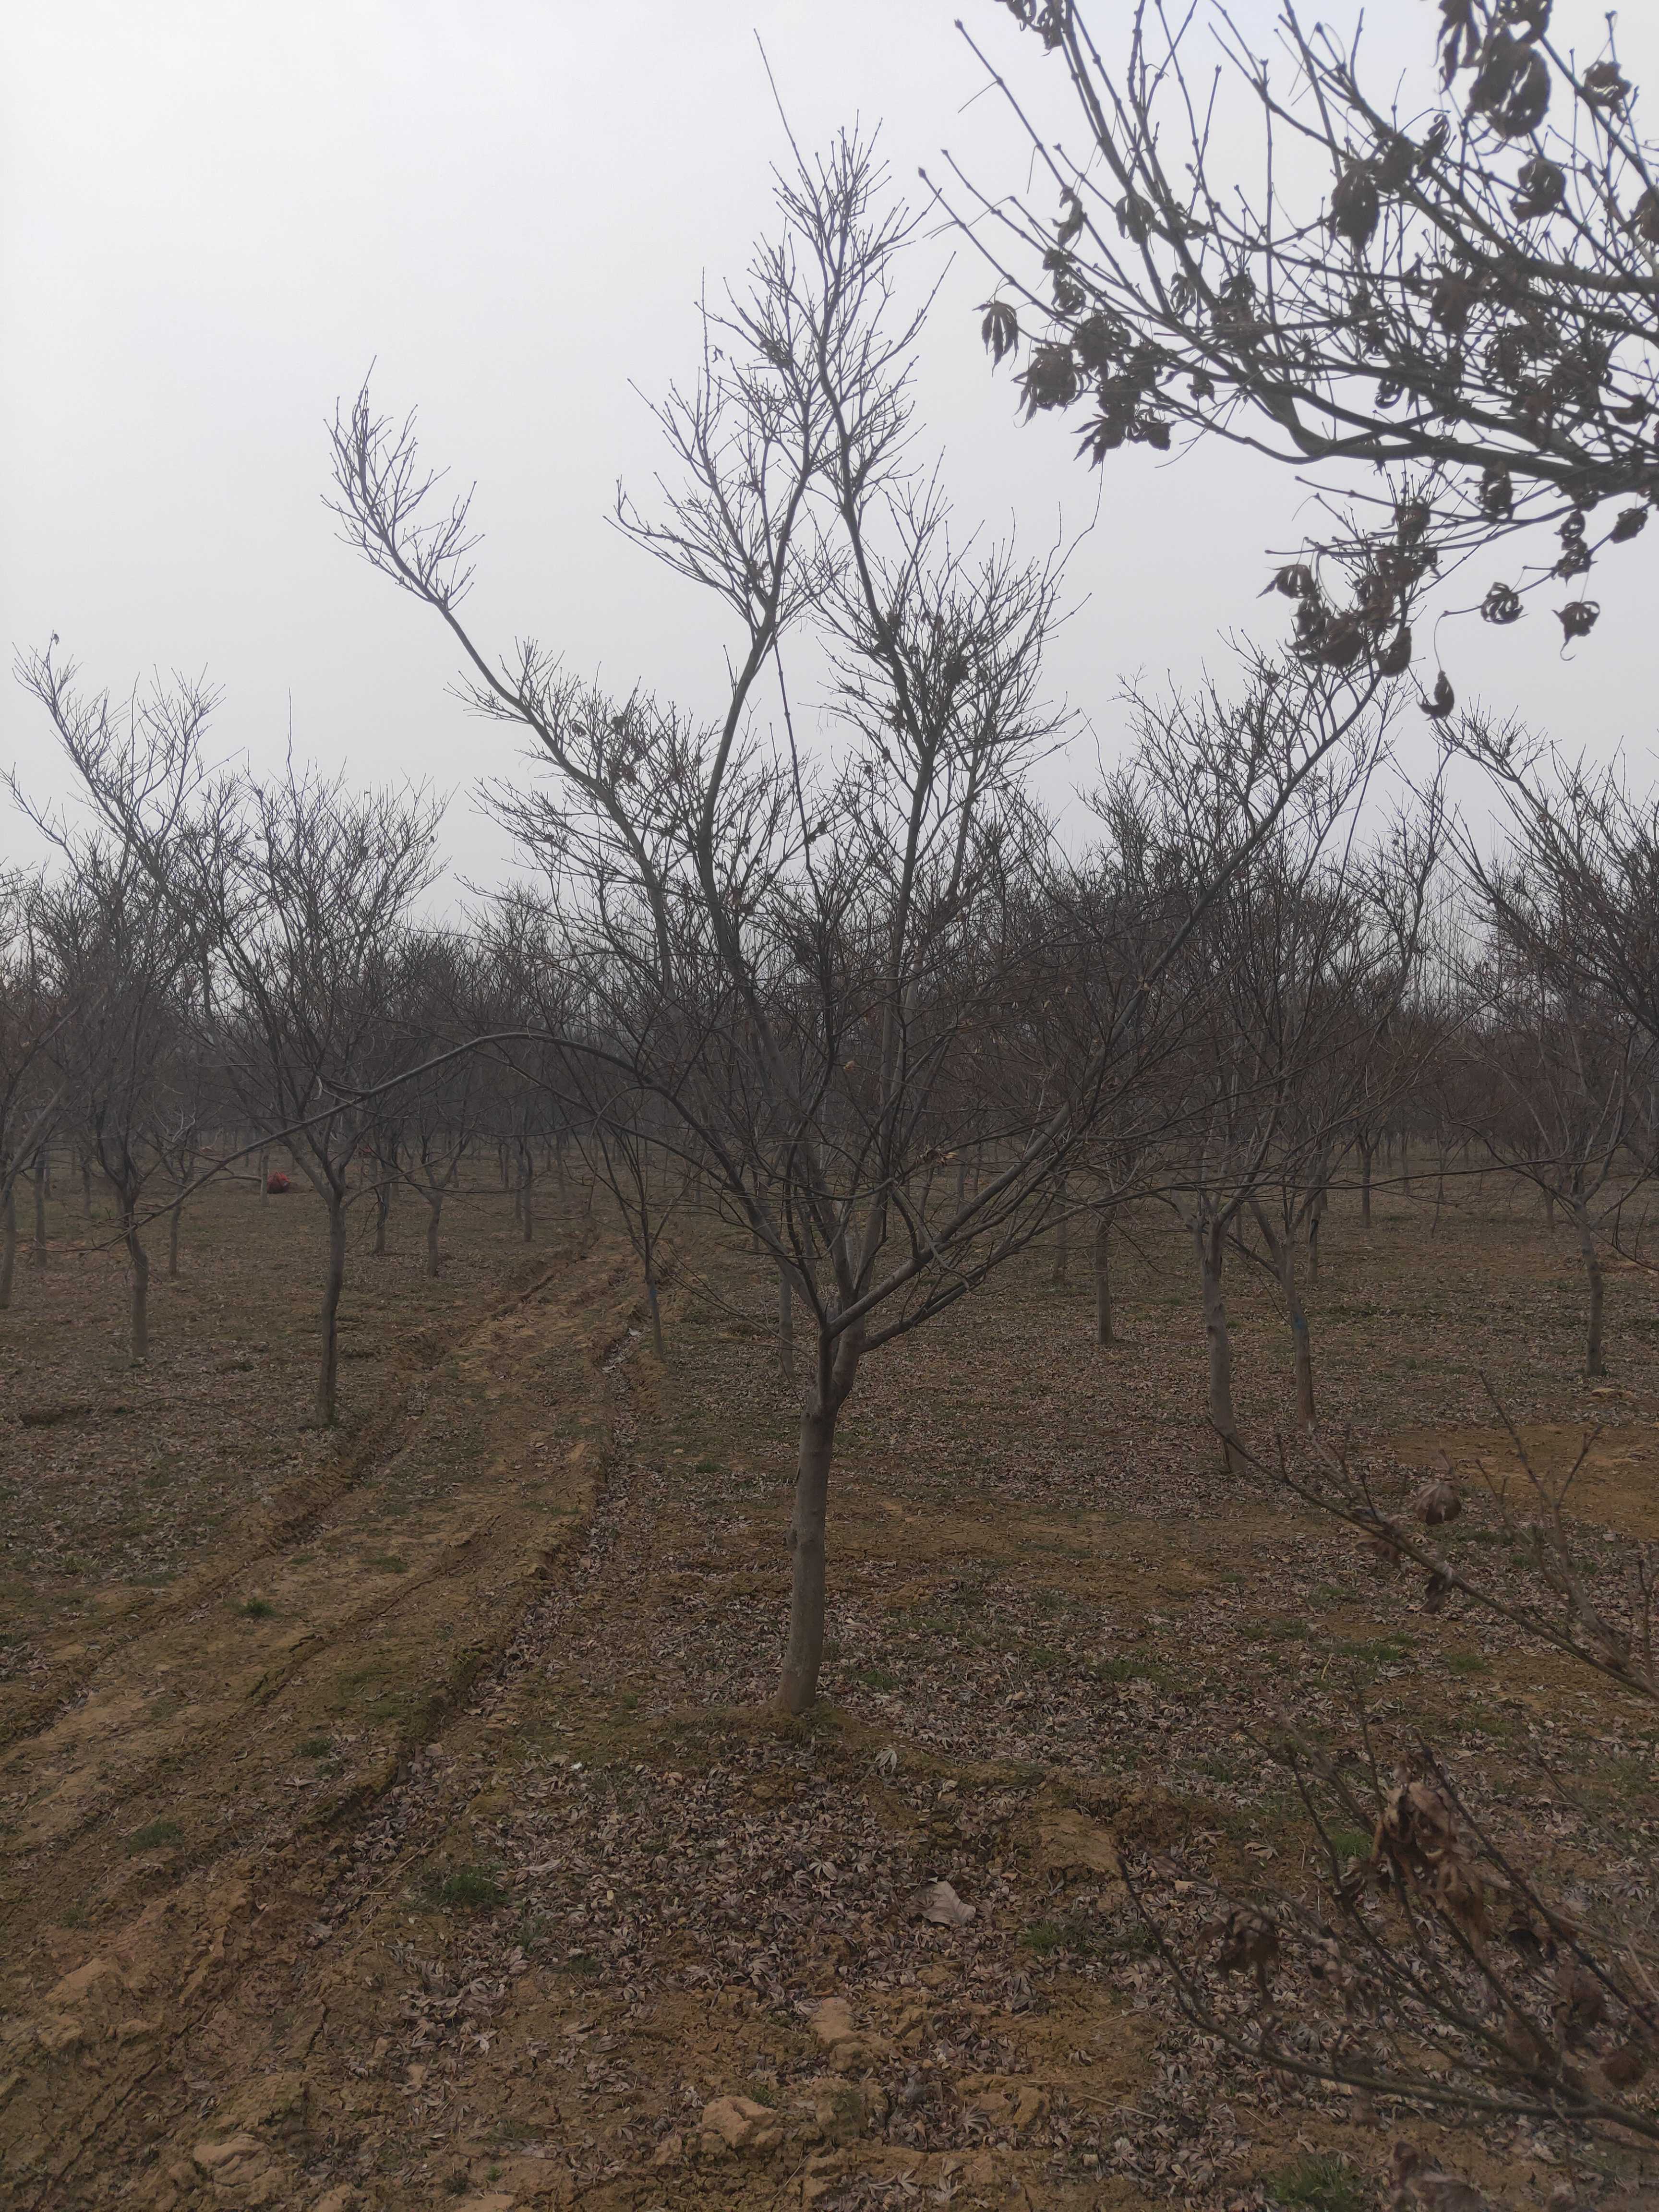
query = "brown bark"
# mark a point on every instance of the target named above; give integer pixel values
(139, 1303)
(434, 1206)
(1103, 1278)
(39, 1253)
(526, 1184)
(264, 1176)
(804, 1657)
(382, 1210)
(655, 1307)
(1222, 1417)
(328, 1365)
(1366, 1152)
(1282, 1249)
(173, 1213)
(1594, 1364)
(86, 1186)
(7, 1244)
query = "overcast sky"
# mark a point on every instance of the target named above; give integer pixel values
(213, 217)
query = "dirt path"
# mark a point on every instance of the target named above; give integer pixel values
(175, 1802)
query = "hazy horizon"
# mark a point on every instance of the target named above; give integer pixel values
(212, 224)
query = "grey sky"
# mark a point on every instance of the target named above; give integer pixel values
(212, 217)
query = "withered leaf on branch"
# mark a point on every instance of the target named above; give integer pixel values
(1437, 1504)
(1443, 700)
(1502, 604)
(999, 330)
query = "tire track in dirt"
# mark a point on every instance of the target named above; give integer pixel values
(157, 1837)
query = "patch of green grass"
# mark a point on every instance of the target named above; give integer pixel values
(1384, 1651)
(1045, 1937)
(1466, 1663)
(390, 1564)
(876, 1678)
(259, 1608)
(1323, 2182)
(465, 1889)
(316, 1747)
(1350, 1842)
(706, 1466)
(1128, 1667)
(156, 1836)
(1126, 1939)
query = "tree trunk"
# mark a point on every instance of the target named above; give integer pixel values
(173, 1212)
(434, 1206)
(962, 1181)
(1314, 1226)
(264, 1175)
(328, 1365)
(652, 1301)
(1222, 1417)
(7, 1244)
(1549, 1212)
(1365, 1151)
(86, 1186)
(798, 1689)
(140, 1301)
(1103, 1278)
(39, 1253)
(1282, 1249)
(526, 1181)
(382, 1209)
(1592, 1360)
(785, 1326)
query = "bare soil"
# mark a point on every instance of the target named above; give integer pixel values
(395, 1819)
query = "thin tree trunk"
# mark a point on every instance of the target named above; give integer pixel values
(804, 1657)
(7, 1243)
(264, 1176)
(1549, 1212)
(652, 1301)
(962, 1180)
(1103, 1278)
(434, 1206)
(1222, 1417)
(1282, 1249)
(785, 1326)
(86, 1186)
(39, 1253)
(328, 1365)
(526, 1187)
(382, 1209)
(1365, 1185)
(173, 1212)
(1592, 1360)
(1314, 1226)
(140, 1297)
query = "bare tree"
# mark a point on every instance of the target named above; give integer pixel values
(32, 1018)
(1564, 1072)
(118, 954)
